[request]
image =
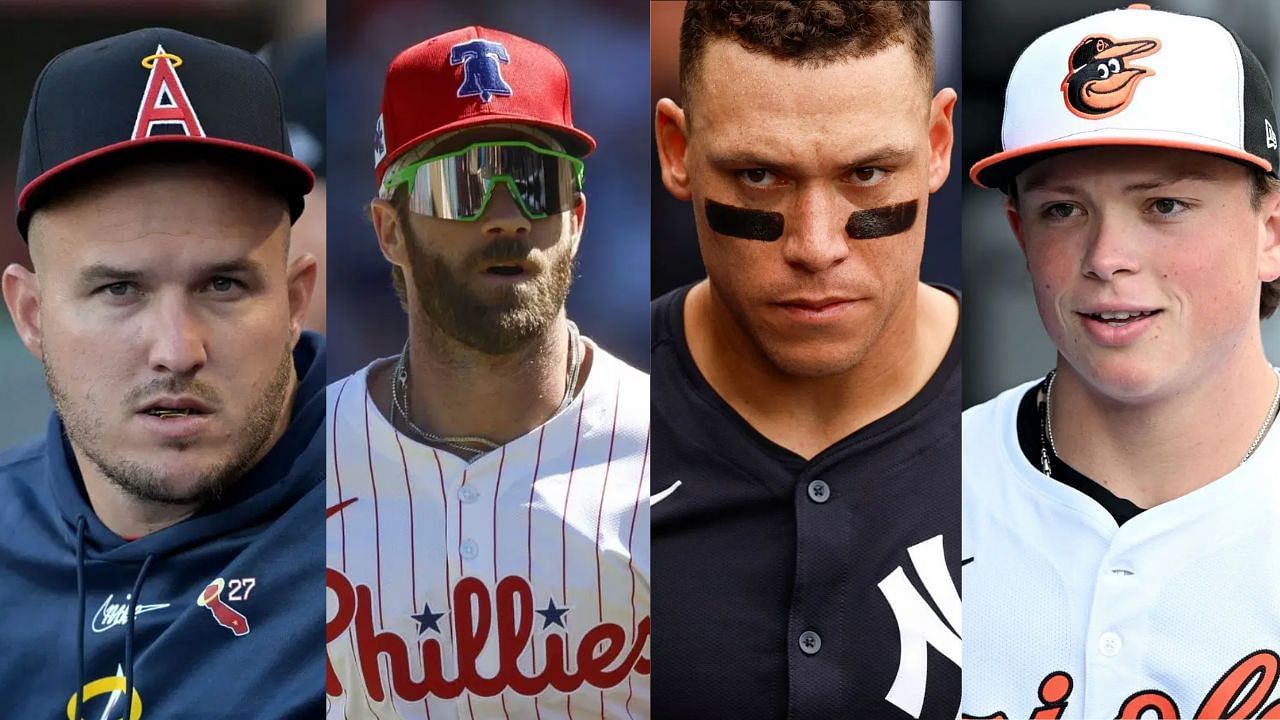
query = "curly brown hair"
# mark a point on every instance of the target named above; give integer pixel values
(806, 31)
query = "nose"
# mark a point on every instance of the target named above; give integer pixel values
(1111, 249)
(177, 337)
(503, 216)
(814, 239)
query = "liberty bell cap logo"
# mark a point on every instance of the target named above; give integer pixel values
(481, 62)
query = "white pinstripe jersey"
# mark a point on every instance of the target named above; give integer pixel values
(512, 586)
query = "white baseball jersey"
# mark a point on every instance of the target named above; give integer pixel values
(515, 585)
(1175, 614)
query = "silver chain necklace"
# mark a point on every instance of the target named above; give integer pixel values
(1048, 450)
(473, 445)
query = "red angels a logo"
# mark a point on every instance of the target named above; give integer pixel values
(1100, 82)
(165, 105)
(602, 659)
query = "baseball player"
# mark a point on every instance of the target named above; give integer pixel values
(806, 502)
(1120, 513)
(161, 543)
(488, 494)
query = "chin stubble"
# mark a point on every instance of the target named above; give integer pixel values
(505, 321)
(143, 481)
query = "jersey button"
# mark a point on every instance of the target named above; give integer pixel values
(469, 549)
(468, 494)
(819, 491)
(1109, 644)
(810, 642)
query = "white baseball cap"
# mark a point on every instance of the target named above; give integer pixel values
(1135, 76)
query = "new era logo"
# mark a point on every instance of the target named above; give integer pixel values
(1271, 134)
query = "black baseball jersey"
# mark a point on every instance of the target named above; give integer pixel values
(808, 590)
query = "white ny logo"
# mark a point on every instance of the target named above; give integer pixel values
(918, 625)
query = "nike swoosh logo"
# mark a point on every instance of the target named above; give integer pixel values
(655, 499)
(338, 508)
(965, 562)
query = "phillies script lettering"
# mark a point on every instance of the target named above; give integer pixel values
(1239, 695)
(603, 658)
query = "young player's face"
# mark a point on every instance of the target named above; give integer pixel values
(814, 146)
(165, 321)
(495, 283)
(1167, 236)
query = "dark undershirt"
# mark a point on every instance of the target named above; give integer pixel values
(1030, 437)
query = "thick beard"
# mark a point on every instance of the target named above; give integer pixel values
(144, 482)
(506, 321)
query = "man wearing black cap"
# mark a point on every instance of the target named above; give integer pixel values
(1120, 514)
(162, 542)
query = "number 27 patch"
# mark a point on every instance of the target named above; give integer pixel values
(226, 616)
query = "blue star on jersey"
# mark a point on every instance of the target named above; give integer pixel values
(427, 620)
(481, 74)
(552, 615)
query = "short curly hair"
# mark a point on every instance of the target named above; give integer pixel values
(812, 32)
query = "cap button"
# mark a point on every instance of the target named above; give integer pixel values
(1139, 6)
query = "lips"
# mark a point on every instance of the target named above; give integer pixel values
(1118, 327)
(815, 309)
(175, 407)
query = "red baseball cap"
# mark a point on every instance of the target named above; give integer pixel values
(473, 76)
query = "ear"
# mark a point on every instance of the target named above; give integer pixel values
(22, 294)
(386, 224)
(1269, 257)
(301, 277)
(941, 137)
(577, 220)
(672, 134)
(1015, 222)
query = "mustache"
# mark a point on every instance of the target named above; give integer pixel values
(506, 249)
(174, 385)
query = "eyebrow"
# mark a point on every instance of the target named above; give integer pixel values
(1036, 184)
(104, 273)
(887, 154)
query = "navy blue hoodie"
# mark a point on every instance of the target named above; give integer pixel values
(229, 617)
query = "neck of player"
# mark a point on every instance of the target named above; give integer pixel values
(809, 414)
(1155, 449)
(456, 391)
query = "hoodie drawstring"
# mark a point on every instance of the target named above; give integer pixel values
(80, 526)
(128, 638)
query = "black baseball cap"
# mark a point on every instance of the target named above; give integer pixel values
(154, 91)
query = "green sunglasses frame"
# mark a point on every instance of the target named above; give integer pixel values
(409, 173)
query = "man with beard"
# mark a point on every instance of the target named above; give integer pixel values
(488, 515)
(806, 509)
(160, 543)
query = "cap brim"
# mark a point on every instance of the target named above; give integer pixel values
(999, 170)
(576, 142)
(290, 176)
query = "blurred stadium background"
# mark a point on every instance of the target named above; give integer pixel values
(605, 46)
(1004, 342)
(32, 32)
